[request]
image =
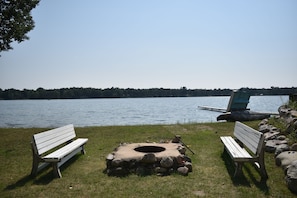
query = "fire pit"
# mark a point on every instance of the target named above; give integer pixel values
(148, 158)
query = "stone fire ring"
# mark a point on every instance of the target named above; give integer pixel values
(148, 158)
(136, 151)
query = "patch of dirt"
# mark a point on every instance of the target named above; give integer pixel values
(199, 193)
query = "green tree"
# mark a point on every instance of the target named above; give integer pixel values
(15, 21)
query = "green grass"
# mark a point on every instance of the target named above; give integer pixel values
(84, 175)
(292, 104)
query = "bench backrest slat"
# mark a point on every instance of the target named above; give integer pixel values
(48, 140)
(250, 137)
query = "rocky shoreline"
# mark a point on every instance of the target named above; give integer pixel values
(277, 142)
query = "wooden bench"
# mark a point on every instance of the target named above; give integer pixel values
(248, 146)
(55, 147)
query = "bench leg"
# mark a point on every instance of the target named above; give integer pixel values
(83, 150)
(238, 169)
(262, 170)
(56, 170)
(263, 173)
(37, 167)
(34, 166)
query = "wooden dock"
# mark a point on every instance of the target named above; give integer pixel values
(212, 109)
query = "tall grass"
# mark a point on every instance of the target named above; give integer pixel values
(292, 104)
(84, 176)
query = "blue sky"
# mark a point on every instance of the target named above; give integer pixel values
(156, 43)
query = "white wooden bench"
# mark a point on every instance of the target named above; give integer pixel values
(55, 147)
(248, 146)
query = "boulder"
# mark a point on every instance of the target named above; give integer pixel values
(180, 160)
(295, 124)
(294, 113)
(176, 139)
(281, 137)
(189, 166)
(281, 148)
(183, 170)
(109, 159)
(284, 111)
(294, 147)
(142, 171)
(285, 159)
(161, 170)
(272, 144)
(118, 171)
(271, 135)
(182, 150)
(187, 159)
(149, 158)
(166, 162)
(264, 128)
(263, 122)
(109, 156)
(291, 177)
(116, 162)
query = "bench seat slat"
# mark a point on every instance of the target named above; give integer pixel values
(236, 152)
(67, 149)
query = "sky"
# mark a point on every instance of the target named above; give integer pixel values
(195, 44)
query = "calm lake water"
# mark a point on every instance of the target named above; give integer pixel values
(123, 111)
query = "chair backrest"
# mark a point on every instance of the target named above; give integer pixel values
(45, 141)
(250, 137)
(238, 101)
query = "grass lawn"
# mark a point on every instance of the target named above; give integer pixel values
(83, 176)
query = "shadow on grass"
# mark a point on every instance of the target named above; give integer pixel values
(43, 178)
(22, 182)
(242, 180)
(238, 181)
(259, 182)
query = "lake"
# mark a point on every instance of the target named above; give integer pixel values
(121, 111)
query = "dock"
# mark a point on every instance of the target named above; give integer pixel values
(212, 109)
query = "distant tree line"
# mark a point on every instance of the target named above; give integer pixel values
(80, 93)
